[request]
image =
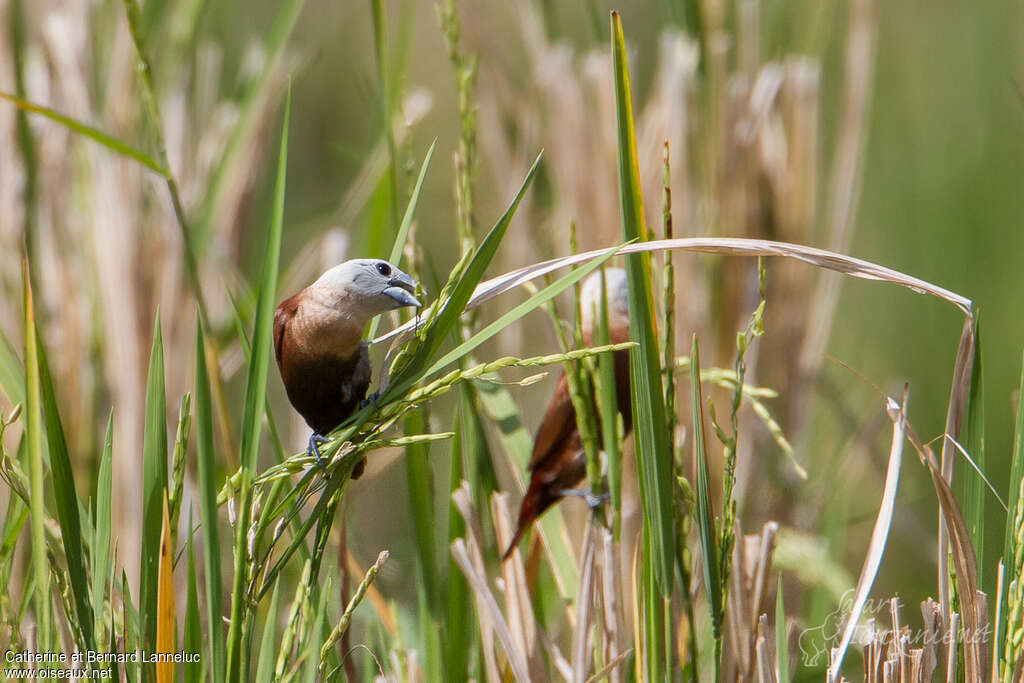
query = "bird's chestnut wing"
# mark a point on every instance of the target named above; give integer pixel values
(558, 424)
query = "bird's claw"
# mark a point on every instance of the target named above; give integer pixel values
(313, 448)
(592, 500)
(370, 400)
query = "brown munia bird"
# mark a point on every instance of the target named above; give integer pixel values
(558, 462)
(318, 340)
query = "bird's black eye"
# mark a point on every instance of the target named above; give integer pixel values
(384, 269)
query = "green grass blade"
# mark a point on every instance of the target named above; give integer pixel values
(130, 619)
(421, 502)
(65, 498)
(265, 665)
(403, 229)
(315, 638)
(193, 638)
(1016, 475)
(653, 448)
(207, 495)
(535, 301)
(476, 456)
(458, 609)
(101, 538)
(255, 394)
(34, 440)
(461, 293)
(705, 514)
(96, 135)
(1011, 540)
(973, 439)
(410, 210)
(608, 408)
(154, 485)
(256, 382)
(781, 641)
(12, 374)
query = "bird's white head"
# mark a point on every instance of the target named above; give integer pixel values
(618, 301)
(366, 287)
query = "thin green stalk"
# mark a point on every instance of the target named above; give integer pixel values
(100, 564)
(34, 437)
(973, 437)
(153, 113)
(193, 638)
(705, 515)
(650, 434)
(580, 378)
(66, 502)
(684, 564)
(754, 329)
(611, 421)
(339, 629)
(154, 487)
(668, 345)
(207, 494)
(252, 420)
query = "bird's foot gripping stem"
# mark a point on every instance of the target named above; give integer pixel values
(370, 400)
(592, 500)
(313, 448)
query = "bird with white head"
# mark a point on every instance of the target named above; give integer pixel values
(318, 340)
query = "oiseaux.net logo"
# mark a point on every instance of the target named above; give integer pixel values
(818, 641)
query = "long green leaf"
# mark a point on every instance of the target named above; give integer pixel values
(130, 620)
(476, 456)
(458, 609)
(535, 301)
(1016, 475)
(1014, 570)
(315, 638)
(705, 514)
(94, 134)
(255, 392)
(460, 296)
(207, 494)
(265, 665)
(193, 637)
(421, 502)
(154, 486)
(34, 436)
(403, 230)
(65, 498)
(653, 449)
(781, 641)
(101, 536)
(973, 437)
(608, 405)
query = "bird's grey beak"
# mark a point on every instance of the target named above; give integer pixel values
(401, 288)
